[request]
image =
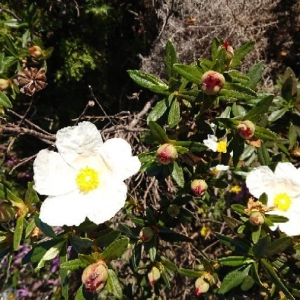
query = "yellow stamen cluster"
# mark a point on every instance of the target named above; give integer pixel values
(282, 201)
(222, 146)
(87, 180)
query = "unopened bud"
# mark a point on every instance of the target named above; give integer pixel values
(202, 284)
(153, 275)
(4, 84)
(229, 52)
(35, 51)
(212, 82)
(198, 186)
(94, 276)
(246, 129)
(256, 218)
(146, 234)
(166, 154)
(173, 210)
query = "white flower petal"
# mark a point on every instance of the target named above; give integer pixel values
(83, 138)
(258, 179)
(67, 210)
(286, 170)
(52, 176)
(107, 202)
(211, 142)
(117, 155)
(291, 227)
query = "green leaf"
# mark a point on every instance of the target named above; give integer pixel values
(80, 243)
(266, 134)
(240, 246)
(31, 195)
(260, 249)
(292, 136)
(247, 283)
(263, 155)
(233, 95)
(277, 114)
(4, 101)
(50, 254)
(151, 248)
(235, 261)
(277, 219)
(176, 172)
(106, 237)
(287, 89)
(18, 232)
(73, 265)
(7, 212)
(170, 59)
(279, 245)
(255, 234)
(158, 133)
(240, 88)
(10, 46)
(239, 77)
(6, 194)
(190, 273)
(174, 114)
(191, 72)
(191, 145)
(149, 82)
(169, 235)
(231, 222)
(158, 110)
(255, 74)
(115, 250)
(233, 279)
(260, 109)
(45, 228)
(113, 285)
(169, 264)
(240, 53)
(238, 111)
(275, 279)
(64, 278)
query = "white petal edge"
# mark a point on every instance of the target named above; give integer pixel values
(52, 176)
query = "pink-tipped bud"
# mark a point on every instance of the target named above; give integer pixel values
(166, 154)
(173, 210)
(229, 51)
(146, 234)
(256, 218)
(153, 275)
(35, 51)
(198, 186)
(94, 276)
(4, 84)
(212, 82)
(203, 283)
(246, 129)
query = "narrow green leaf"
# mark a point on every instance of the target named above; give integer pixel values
(231, 222)
(230, 95)
(238, 77)
(18, 232)
(149, 82)
(80, 243)
(239, 245)
(152, 248)
(174, 114)
(240, 53)
(263, 155)
(10, 46)
(158, 110)
(239, 87)
(169, 264)
(169, 235)
(191, 72)
(45, 228)
(277, 219)
(292, 136)
(106, 237)
(287, 89)
(247, 283)
(165, 278)
(255, 235)
(255, 74)
(279, 245)
(233, 279)
(176, 172)
(266, 134)
(4, 101)
(260, 109)
(190, 273)
(214, 48)
(277, 114)
(31, 195)
(170, 59)
(235, 261)
(73, 265)
(114, 250)
(113, 285)
(275, 279)
(158, 133)
(63, 273)
(260, 249)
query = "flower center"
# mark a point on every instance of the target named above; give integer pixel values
(283, 201)
(222, 146)
(87, 179)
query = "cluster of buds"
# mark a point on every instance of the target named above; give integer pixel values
(166, 154)
(246, 129)
(94, 276)
(212, 82)
(203, 283)
(198, 187)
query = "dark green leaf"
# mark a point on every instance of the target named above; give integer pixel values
(191, 145)
(172, 236)
(80, 243)
(279, 245)
(287, 89)
(292, 136)
(240, 246)
(158, 133)
(235, 261)
(176, 172)
(10, 46)
(81, 294)
(260, 249)
(64, 278)
(18, 232)
(114, 250)
(255, 74)
(191, 72)
(151, 218)
(231, 222)
(170, 59)
(240, 53)
(113, 285)
(151, 248)
(158, 110)
(4, 101)
(107, 237)
(174, 114)
(263, 155)
(45, 228)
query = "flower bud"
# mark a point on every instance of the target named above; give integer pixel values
(256, 218)
(94, 276)
(173, 210)
(4, 84)
(246, 129)
(229, 51)
(146, 234)
(166, 154)
(35, 51)
(212, 82)
(198, 186)
(203, 283)
(153, 275)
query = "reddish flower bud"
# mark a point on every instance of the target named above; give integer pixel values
(201, 285)
(246, 129)
(198, 186)
(4, 84)
(173, 210)
(35, 51)
(256, 218)
(229, 51)
(94, 276)
(166, 154)
(146, 234)
(212, 82)
(153, 275)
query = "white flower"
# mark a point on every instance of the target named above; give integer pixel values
(85, 178)
(283, 190)
(218, 169)
(213, 144)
